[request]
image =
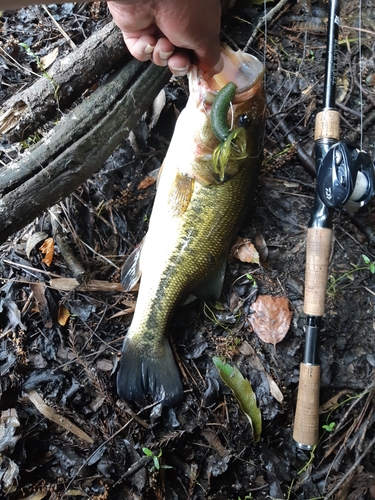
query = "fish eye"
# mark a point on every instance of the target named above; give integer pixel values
(243, 120)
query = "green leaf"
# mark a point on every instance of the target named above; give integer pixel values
(243, 392)
(329, 427)
(365, 258)
(372, 267)
(147, 452)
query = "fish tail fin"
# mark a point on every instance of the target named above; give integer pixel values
(143, 371)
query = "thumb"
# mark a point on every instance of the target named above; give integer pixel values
(209, 57)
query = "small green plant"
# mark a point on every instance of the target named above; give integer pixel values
(252, 280)
(210, 314)
(34, 139)
(329, 427)
(156, 459)
(334, 283)
(39, 63)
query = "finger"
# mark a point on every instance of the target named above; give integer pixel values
(141, 48)
(163, 51)
(179, 63)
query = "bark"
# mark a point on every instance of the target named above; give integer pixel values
(68, 78)
(77, 146)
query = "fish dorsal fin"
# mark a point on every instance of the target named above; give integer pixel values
(180, 194)
(131, 272)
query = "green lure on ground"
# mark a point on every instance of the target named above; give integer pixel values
(232, 142)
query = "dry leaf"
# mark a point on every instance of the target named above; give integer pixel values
(33, 241)
(246, 349)
(309, 110)
(63, 315)
(145, 183)
(47, 249)
(245, 251)
(333, 403)
(157, 107)
(271, 319)
(39, 291)
(48, 59)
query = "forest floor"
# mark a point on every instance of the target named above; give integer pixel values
(59, 349)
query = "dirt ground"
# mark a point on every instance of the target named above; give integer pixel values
(57, 371)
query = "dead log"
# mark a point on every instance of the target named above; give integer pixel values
(68, 78)
(77, 146)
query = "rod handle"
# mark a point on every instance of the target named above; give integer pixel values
(327, 125)
(318, 251)
(306, 420)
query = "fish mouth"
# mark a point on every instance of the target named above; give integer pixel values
(245, 70)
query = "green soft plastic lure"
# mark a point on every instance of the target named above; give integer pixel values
(232, 141)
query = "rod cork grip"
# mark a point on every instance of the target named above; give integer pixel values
(327, 125)
(318, 250)
(306, 420)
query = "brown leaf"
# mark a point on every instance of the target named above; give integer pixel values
(47, 249)
(145, 183)
(63, 315)
(271, 319)
(245, 251)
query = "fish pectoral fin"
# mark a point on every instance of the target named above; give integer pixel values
(180, 194)
(144, 371)
(131, 272)
(211, 287)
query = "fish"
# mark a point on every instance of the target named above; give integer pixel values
(198, 208)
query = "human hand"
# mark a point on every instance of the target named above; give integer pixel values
(166, 30)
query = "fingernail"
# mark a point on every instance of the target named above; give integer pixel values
(165, 55)
(180, 71)
(149, 49)
(218, 68)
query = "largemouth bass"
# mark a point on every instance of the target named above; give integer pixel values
(197, 210)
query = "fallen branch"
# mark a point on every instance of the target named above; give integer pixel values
(77, 146)
(265, 20)
(23, 113)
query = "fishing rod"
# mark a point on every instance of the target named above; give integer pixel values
(345, 179)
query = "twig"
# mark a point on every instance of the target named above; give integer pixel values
(348, 110)
(79, 272)
(303, 156)
(17, 64)
(142, 462)
(351, 470)
(96, 451)
(58, 419)
(263, 20)
(97, 214)
(64, 34)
